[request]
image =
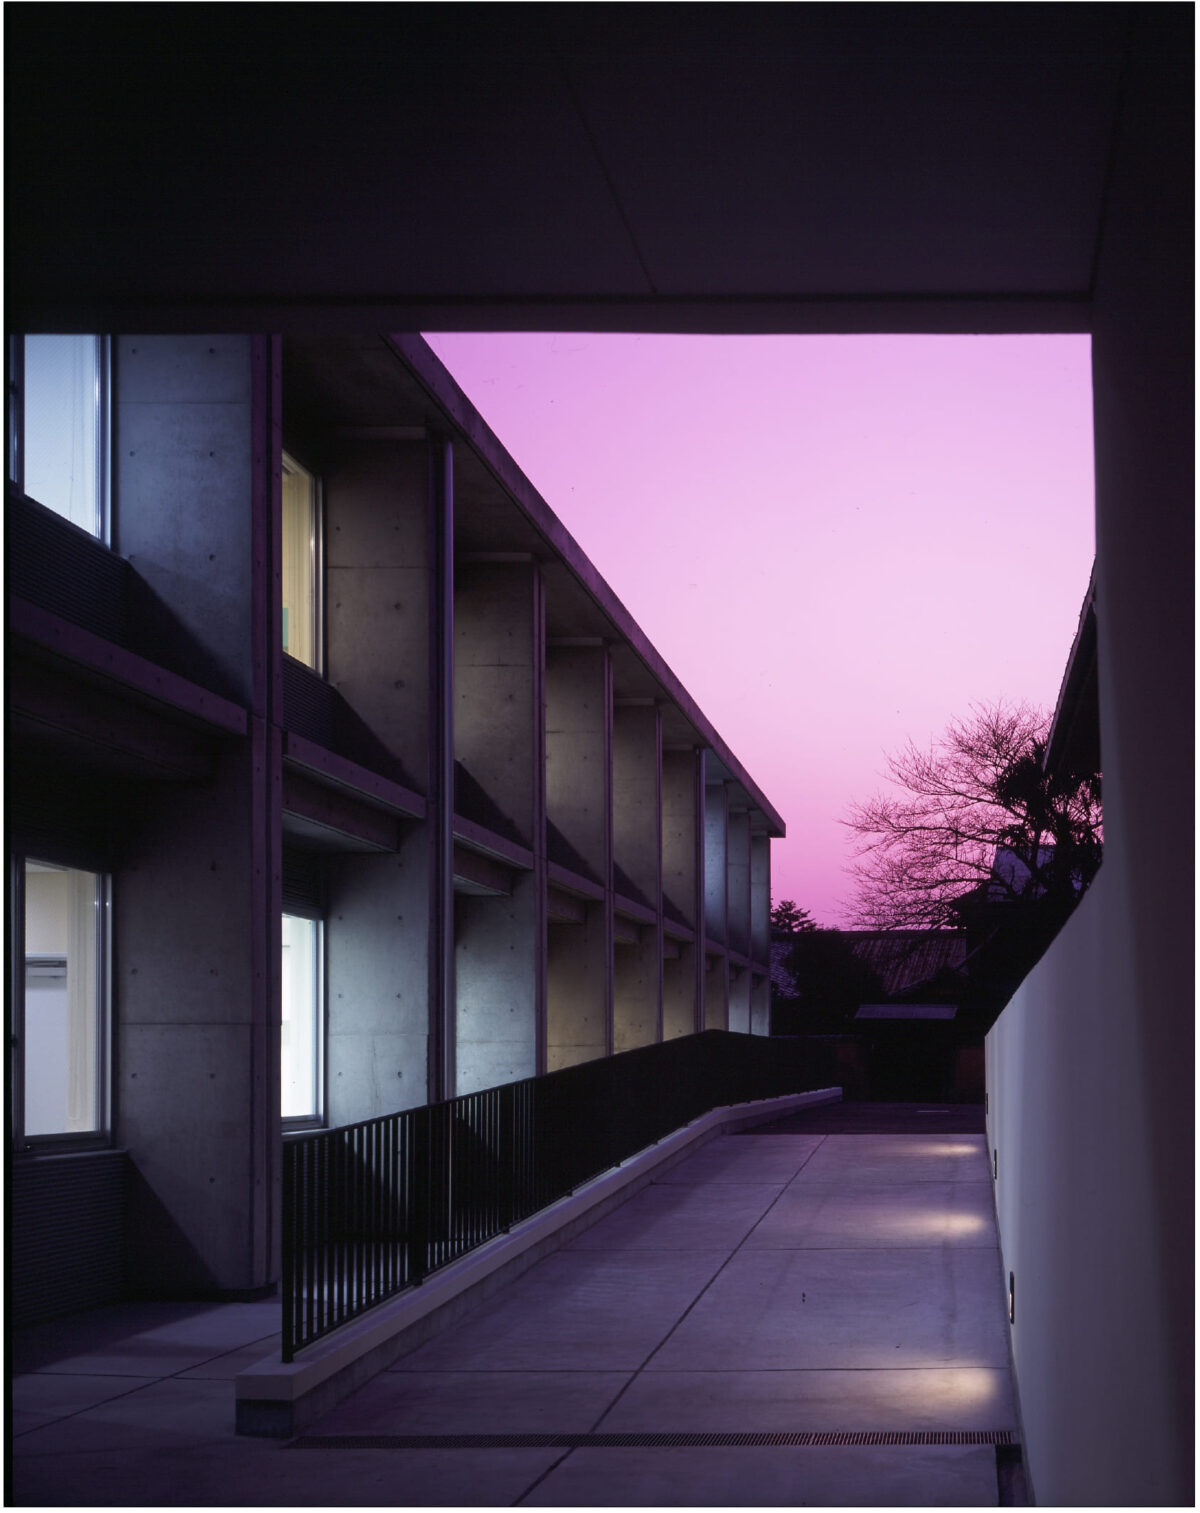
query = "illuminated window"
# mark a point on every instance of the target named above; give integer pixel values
(58, 452)
(301, 564)
(60, 1062)
(303, 1027)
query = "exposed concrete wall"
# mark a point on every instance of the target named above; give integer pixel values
(496, 969)
(579, 749)
(378, 655)
(499, 736)
(182, 479)
(1090, 1067)
(376, 965)
(637, 991)
(196, 1007)
(680, 820)
(377, 567)
(637, 796)
(739, 999)
(716, 993)
(578, 986)
(579, 975)
(498, 717)
(738, 883)
(716, 820)
(679, 992)
(637, 848)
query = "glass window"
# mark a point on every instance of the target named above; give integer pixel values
(61, 1061)
(64, 423)
(301, 564)
(302, 1035)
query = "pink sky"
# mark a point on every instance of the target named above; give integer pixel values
(834, 542)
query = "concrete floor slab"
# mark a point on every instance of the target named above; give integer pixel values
(775, 1476)
(43, 1397)
(787, 1309)
(226, 1367)
(707, 1303)
(575, 1310)
(883, 1216)
(476, 1402)
(733, 1158)
(145, 1339)
(871, 1159)
(735, 1402)
(679, 1217)
(165, 1415)
(264, 1474)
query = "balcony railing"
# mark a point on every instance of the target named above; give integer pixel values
(372, 1208)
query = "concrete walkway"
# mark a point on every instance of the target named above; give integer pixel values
(788, 1282)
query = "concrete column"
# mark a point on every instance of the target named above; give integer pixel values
(579, 973)
(680, 823)
(197, 904)
(738, 885)
(716, 973)
(760, 897)
(716, 824)
(682, 886)
(637, 848)
(500, 943)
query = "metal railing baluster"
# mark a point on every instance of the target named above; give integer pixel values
(370, 1209)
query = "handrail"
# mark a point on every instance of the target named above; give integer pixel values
(372, 1208)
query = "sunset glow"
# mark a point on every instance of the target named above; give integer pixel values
(836, 543)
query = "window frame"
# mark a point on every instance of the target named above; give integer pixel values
(300, 1123)
(100, 1138)
(290, 457)
(102, 459)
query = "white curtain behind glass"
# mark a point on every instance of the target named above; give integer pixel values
(62, 1001)
(61, 402)
(299, 1061)
(299, 563)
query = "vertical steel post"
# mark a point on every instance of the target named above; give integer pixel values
(440, 811)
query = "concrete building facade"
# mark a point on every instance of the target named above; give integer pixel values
(339, 782)
(806, 169)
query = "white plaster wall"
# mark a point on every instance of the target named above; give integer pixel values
(1091, 1066)
(1076, 1199)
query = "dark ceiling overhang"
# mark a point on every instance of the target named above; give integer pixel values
(651, 167)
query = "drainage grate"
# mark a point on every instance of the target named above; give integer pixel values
(621, 1441)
